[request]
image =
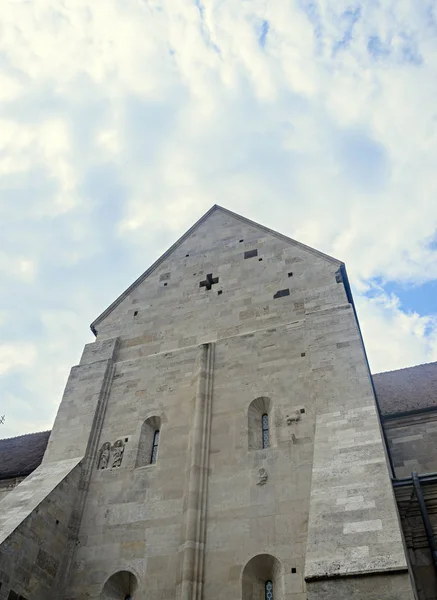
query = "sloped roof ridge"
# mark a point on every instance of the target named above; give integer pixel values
(173, 247)
(433, 362)
(14, 437)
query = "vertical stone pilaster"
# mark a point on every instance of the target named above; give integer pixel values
(83, 407)
(193, 548)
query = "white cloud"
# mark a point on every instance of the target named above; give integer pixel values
(16, 356)
(122, 122)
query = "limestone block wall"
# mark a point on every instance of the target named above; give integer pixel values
(133, 516)
(281, 333)
(412, 442)
(258, 498)
(353, 524)
(35, 522)
(170, 309)
(39, 519)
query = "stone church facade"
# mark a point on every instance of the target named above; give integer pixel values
(221, 439)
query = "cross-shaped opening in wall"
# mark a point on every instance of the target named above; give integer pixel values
(209, 281)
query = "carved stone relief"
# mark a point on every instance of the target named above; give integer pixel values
(117, 453)
(262, 477)
(294, 417)
(105, 451)
(111, 456)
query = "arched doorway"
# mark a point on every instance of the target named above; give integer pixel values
(120, 586)
(263, 579)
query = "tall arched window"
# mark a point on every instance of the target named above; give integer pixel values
(268, 590)
(154, 447)
(148, 442)
(259, 424)
(265, 430)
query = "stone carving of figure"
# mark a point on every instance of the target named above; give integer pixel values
(117, 453)
(293, 418)
(262, 477)
(104, 456)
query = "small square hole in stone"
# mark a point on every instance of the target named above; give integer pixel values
(219, 292)
(260, 259)
(241, 241)
(302, 410)
(293, 569)
(302, 354)
(290, 274)
(165, 284)
(135, 313)
(187, 255)
(57, 521)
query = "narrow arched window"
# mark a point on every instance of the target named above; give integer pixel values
(154, 447)
(265, 430)
(269, 590)
(148, 442)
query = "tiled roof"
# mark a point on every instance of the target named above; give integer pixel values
(407, 389)
(21, 455)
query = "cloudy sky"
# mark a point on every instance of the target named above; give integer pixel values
(123, 121)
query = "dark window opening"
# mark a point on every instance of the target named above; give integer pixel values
(302, 410)
(165, 284)
(293, 569)
(290, 274)
(57, 521)
(281, 293)
(154, 447)
(241, 241)
(126, 439)
(187, 255)
(269, 590)
(260, 259)
(250, 253)
(135, 313)
(265, 430)
(220, 292)
(302, 353)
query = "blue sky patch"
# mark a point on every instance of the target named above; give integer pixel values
(265, 26)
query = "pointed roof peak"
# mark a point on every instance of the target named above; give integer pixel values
(203, 218)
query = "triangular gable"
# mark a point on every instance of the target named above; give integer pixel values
(186, 235)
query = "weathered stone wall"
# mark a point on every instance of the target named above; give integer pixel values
(188, 526)
(299, 351)
(173, 311)
(7, 485)
(412, 443)
(39, 519)
(35, 531)
(133, 516)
